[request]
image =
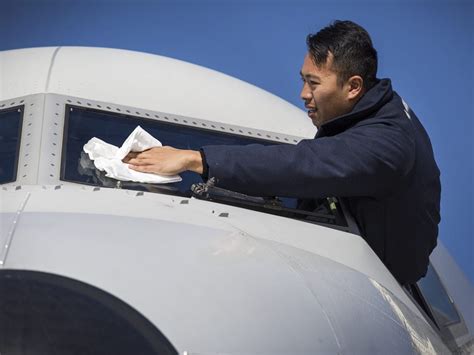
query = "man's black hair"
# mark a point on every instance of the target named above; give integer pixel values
(351, 47)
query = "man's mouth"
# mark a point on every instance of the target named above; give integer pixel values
(311, 111)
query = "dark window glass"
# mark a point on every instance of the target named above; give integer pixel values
(437, 299)
(10, 133)
(83, 124)
(44, 314)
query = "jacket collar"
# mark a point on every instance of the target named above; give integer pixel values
(373, 100)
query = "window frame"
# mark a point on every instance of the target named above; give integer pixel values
(448, 332)
(430, 308)
(20, 109)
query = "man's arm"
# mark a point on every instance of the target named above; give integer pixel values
(364, 161)
(370, 160)
(165, 161)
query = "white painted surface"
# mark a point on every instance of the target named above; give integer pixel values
(149, 82)
(24, 71)
(208, 285)
(346, 249)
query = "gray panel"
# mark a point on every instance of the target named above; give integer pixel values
(214, 291)
(51, 142)
(206, 290)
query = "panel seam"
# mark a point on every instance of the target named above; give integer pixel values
(50, 70)
(6, 246)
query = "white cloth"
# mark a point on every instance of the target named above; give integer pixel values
(108, 157)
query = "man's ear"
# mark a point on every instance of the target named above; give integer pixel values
(355, 86)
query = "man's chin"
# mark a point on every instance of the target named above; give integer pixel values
(316, 121)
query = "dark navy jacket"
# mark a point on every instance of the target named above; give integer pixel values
(378, 159)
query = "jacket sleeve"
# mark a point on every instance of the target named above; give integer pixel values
(366, 160)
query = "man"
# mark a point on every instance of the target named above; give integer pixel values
(370, 150)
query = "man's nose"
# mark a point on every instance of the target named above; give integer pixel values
(306, 94)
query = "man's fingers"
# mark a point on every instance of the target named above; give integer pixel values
(141, 168)
(149, 169)
(159, 160)
(138, 161)
(131, 155)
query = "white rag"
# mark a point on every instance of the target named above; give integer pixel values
(108, 157)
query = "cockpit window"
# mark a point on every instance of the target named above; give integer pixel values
(437, 299)
(81, 124)
(42, 313)
(10, 133)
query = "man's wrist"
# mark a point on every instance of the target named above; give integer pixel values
(194, 161)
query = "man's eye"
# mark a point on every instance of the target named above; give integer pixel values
(310, 82)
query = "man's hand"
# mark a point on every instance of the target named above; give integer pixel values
(165, 161)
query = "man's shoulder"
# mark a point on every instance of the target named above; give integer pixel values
(392, 109)
(394, 113)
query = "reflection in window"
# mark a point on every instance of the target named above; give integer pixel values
(43, 314)
(10, 131)
(438, 300)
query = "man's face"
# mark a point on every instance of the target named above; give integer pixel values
(324, 98)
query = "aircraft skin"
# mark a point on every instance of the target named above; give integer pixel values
(212, 278)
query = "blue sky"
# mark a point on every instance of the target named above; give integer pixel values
(425, 47)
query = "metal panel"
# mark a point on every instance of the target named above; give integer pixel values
(217, 291)
(345, 248)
